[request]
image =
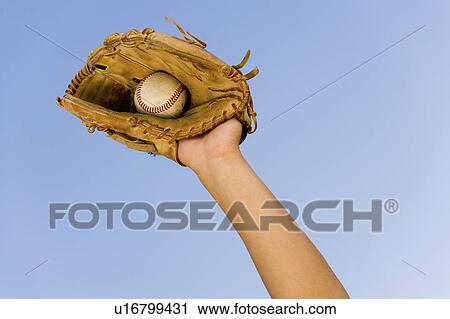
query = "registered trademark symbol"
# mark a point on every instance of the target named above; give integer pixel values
(391, 206)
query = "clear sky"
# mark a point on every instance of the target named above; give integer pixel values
(382, 131)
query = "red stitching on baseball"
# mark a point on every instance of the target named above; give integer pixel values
(163, 107)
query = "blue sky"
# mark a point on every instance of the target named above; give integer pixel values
(382, 131)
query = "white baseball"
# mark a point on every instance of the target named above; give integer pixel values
(160, 94)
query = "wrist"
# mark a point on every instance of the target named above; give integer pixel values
(205, 162)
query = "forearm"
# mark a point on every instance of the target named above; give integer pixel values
(288, 263)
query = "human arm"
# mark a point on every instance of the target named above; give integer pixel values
(287, 261)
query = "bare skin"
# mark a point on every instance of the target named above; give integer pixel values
(289, 264)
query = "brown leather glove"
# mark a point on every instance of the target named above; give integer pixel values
(102, 93)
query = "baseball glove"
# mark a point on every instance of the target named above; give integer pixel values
(102, 93)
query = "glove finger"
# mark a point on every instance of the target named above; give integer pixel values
(137, 145)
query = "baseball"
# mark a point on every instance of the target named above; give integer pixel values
(160, 94)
